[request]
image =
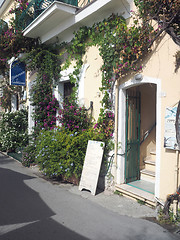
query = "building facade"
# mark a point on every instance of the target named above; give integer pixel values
(146, 165)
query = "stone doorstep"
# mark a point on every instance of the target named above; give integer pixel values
(147, 172)
(136, 193)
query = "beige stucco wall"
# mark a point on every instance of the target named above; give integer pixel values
(92, 80)
(161, 65)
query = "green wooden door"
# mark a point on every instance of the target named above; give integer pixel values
(132, 154)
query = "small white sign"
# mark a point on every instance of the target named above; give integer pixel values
(170, 141)
(92, 165)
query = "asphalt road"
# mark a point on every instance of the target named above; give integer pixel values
(32, 208)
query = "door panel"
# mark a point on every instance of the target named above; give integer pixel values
(132, 155)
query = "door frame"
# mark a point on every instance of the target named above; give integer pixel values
(120, 173)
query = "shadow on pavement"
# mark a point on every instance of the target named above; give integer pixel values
(24, 215)
(47, 229)
(5, 159)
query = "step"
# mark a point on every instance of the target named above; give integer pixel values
(147, 175)
(153, 151)
(135, 193)
(150, 162)
(153, 154)
(150, 165)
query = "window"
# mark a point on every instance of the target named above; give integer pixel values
(68, 87)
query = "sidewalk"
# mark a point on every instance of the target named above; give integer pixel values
(108, 199)
(105, 213)
(119, 204)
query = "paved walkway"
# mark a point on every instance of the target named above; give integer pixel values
(116, 203)
(78, 215)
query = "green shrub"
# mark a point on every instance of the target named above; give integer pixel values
(61, 153)
(13, 130)
(28, 156)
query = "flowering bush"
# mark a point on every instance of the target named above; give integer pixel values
(61, 153)
(13, 128)
(74, 117)
(46, 112)
(45, 104)
(105, 124)
(12, 41)
(28, 156)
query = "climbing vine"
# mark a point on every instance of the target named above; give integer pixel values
(121, 48)
(166, 14)
(46, 62)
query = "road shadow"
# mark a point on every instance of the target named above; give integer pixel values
(24, 215)
(46, 229)
(5, 159)
(18, 202)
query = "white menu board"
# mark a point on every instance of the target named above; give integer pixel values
(92, 165)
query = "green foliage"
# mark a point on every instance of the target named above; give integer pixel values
(163, 219)
(61, 153)
(13, 128)
(120, 47)
(28, 156)
(177, 63)
(118, 193)
(12, 41)
(105, 124)
(45, 104)
(46, 60)
(171, 218)
(165, 12)
(141, 202)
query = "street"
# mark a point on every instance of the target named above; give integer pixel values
(32, 208)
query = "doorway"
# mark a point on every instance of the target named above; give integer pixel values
(140, 137)
(150, 113)
(132, 150)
